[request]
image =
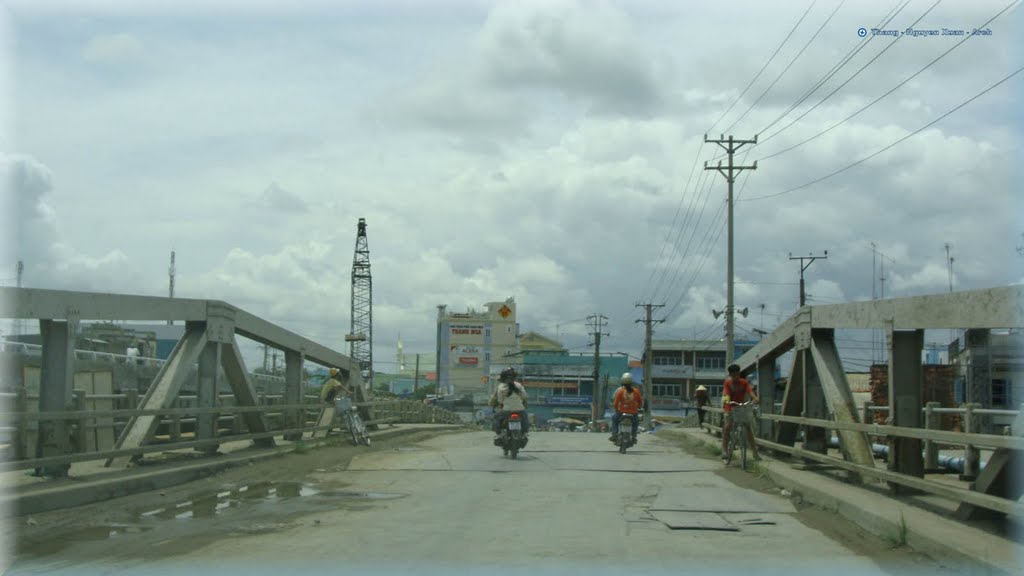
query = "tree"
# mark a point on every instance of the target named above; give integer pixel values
(422, 392)
(382, 390)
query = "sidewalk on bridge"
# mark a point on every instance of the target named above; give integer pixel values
(887, 517)
(91, 481)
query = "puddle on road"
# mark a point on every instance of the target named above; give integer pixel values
(263, 494)
(248, 502)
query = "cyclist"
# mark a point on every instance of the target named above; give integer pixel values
(335, 392)
(736, 388)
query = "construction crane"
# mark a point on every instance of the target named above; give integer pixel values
(360, 338)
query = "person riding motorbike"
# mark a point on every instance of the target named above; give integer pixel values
(508, 397)
(627, 400)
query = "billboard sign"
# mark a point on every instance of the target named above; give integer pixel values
(466, 329)
(671, 371)
(465, 356)
(569, 400)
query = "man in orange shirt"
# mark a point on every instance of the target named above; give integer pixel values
(627, 400)
(736, 388)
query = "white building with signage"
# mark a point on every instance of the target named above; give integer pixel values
(474, 346)
(679, 366)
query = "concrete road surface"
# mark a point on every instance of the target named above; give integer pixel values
(570, 504)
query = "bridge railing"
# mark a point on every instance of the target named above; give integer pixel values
(934, 438)
(176, 425)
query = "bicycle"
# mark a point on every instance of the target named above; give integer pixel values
(354, 424)
(742, 417)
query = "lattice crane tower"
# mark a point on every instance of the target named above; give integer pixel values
(361, 336)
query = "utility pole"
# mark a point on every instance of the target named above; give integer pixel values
(730, 145)
(949, 264)
(648, 334)
(597, 324)
(170, 273)
(416, 378)
(810, 260)
(19, 324)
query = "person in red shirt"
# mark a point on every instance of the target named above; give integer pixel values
(627, 400)
(736, 388)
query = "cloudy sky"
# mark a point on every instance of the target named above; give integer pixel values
(547, 150)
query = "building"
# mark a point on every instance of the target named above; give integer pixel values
(472, 347)
(679, 366)
(989, 370)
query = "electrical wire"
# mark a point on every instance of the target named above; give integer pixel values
(758, 75)
(893, 89)
(693, 231)
(786, 69)
(835, 69)
(870, 156)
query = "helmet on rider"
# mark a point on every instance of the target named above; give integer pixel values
(508, 375)
(334, 372)
(627, 379)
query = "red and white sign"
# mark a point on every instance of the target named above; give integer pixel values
(466, 329)
(465, 355)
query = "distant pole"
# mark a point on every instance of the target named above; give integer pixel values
(170, 273)
(416, 378)
(437, 373)
(648, 377)
(597, 322)
(949, 264)
(729, 172)
(19, 325)
(810, 260)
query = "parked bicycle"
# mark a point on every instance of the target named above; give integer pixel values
(742, 419)
(353, 423)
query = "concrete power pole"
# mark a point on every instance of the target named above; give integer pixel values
(810, 260)
(170, 273)
(597, 323)
(19, 325)
(730, 145)
(648, 334)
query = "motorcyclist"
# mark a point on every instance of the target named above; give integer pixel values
(509, 396)
(627, 400)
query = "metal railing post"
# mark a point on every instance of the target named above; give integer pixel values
(932, 421)
(175, 427)
(79, 444)
(972, 456)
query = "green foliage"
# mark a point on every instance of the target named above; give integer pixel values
(422, 392)
(900, 539)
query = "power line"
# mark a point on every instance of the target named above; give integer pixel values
(835, 69)
(697, 156)
(790, 65)
(701, 180)
(914, 133)
(682, 199)
(693, 232)
(893, 89)
(711, 246)
(758, 75)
